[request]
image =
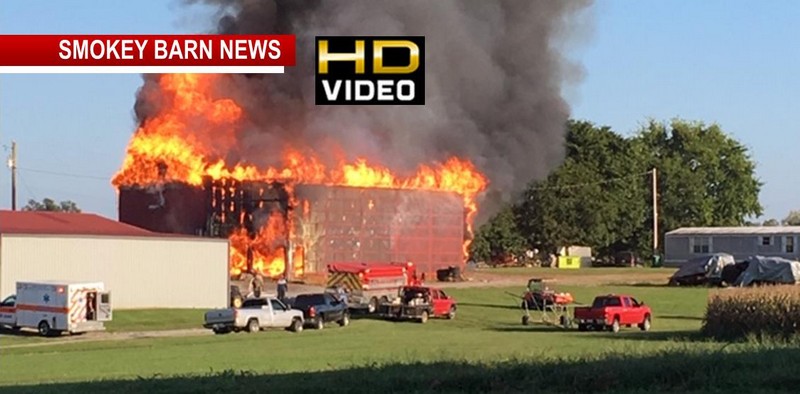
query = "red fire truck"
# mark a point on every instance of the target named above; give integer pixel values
(367, 285)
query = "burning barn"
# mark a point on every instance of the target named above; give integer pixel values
(273, 226)
(252, 158)
(296, 210)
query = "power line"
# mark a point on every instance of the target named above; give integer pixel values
(25, 184)
(603, 182)
(64, 174)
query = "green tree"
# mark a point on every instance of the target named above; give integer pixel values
(792, 219)
(595, 198)
(498, 239)
(706, 178)
(601, 195)
(771, 223)
(48, 204)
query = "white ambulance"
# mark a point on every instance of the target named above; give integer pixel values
(53, 307)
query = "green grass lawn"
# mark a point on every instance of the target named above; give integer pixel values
(487, 329)
(485, 349)
(155, 319)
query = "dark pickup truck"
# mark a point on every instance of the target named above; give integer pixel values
(321, 308)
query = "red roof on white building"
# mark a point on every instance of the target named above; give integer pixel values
(61, 223)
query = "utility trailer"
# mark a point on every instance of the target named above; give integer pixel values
(419, 303)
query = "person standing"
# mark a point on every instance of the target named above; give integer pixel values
(90, 307)
(341, 293)
(283, 287)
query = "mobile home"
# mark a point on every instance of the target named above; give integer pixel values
(687, 243)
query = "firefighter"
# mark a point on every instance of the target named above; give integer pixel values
(90, 307)
(258, 284)
(283, 287)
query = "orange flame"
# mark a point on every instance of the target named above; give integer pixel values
(195, 128)
(266, 248)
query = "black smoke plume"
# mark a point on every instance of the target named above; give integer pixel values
(495, 73)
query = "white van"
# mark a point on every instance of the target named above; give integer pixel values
(53, 307)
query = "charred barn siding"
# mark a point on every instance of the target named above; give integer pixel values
(174, 208)
(214, 209)
(331, 223)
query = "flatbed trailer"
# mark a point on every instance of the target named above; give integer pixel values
(420, 313)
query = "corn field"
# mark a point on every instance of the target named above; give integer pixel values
(758, 312)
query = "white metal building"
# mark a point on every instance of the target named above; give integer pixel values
(141, 269)
(685, 243)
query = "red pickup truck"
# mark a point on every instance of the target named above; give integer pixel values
(612, 311)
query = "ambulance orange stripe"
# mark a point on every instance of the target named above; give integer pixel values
(8, 309)
(81, 311)
(38, 308)
(77, 311)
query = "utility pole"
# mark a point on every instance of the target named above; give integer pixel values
(12, 163)
(655, 211)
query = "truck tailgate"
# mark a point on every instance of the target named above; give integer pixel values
(218, 316)
(589, 313)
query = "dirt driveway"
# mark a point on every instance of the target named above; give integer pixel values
(500, 277)
(100, 336)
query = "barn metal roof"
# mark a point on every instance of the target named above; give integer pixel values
(762, 230)
(61, 223)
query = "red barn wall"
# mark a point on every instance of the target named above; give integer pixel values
(381, 225)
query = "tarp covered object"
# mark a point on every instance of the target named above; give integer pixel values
(711, 266)
(769, 269)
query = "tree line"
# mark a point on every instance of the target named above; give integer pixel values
(792, 219)
(50, 205)
(601, 195)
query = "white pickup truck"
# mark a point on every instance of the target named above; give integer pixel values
(254, 315)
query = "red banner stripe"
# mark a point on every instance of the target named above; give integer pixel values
(147, 50)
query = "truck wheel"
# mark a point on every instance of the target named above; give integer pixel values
(237, 302)
(297, 325)
(44, 329)
(614, 327)
(645, 325)
(345, 320)
(220, 331)
(373, 305)
(525, 320)
(582, 327)
(252, 326)
(319, 323)
(424, 317)
(452, 313)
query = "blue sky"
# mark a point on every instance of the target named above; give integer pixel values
(732, 62)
